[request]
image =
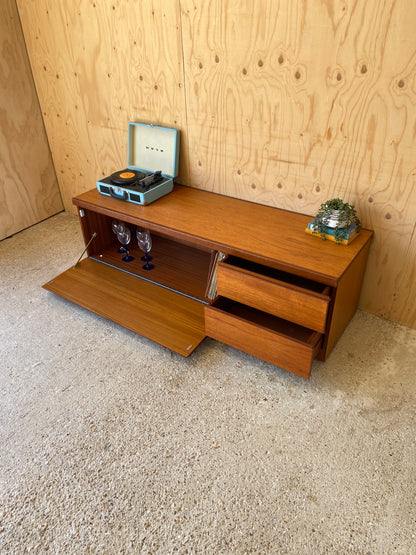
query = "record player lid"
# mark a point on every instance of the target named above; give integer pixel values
(151, 148)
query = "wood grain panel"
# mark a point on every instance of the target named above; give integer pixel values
(291, 102)
(28, 187)
(97, 66)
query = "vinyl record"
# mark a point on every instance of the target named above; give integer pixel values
(124, 177)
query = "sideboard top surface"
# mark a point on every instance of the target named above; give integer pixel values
(263, 233)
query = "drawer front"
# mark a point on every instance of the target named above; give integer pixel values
(275, 297)
(278, 349)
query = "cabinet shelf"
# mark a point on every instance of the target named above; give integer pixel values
(177, 266)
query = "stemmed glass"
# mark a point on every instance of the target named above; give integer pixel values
(144, 241)
(116, 226)
(124, 236)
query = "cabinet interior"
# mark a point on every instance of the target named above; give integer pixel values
(177, 265)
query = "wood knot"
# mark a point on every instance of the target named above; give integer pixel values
(216, 58)
(401, 83)
(280, 59)
(363, 69)
(260, 63)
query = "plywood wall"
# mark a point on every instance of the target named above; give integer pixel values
(29, 190)
(282, 102)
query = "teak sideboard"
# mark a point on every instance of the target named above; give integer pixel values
(281, 294)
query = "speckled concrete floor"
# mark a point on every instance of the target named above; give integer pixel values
(112, 444)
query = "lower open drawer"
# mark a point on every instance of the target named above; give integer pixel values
(272, 339)
(165, 316)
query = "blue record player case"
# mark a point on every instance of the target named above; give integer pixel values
(153, 160)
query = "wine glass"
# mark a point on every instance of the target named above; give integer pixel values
(144, 241)
(124, 236)
(116, 226)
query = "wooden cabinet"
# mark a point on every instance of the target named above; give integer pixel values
(282, 295)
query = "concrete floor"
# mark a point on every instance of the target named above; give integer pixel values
(113, 444)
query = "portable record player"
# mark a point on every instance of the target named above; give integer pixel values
(152, 158)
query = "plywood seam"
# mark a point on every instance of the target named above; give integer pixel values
(184, 87)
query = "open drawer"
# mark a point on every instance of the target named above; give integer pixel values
(158, 313)
(272, 339)
(299, 300)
